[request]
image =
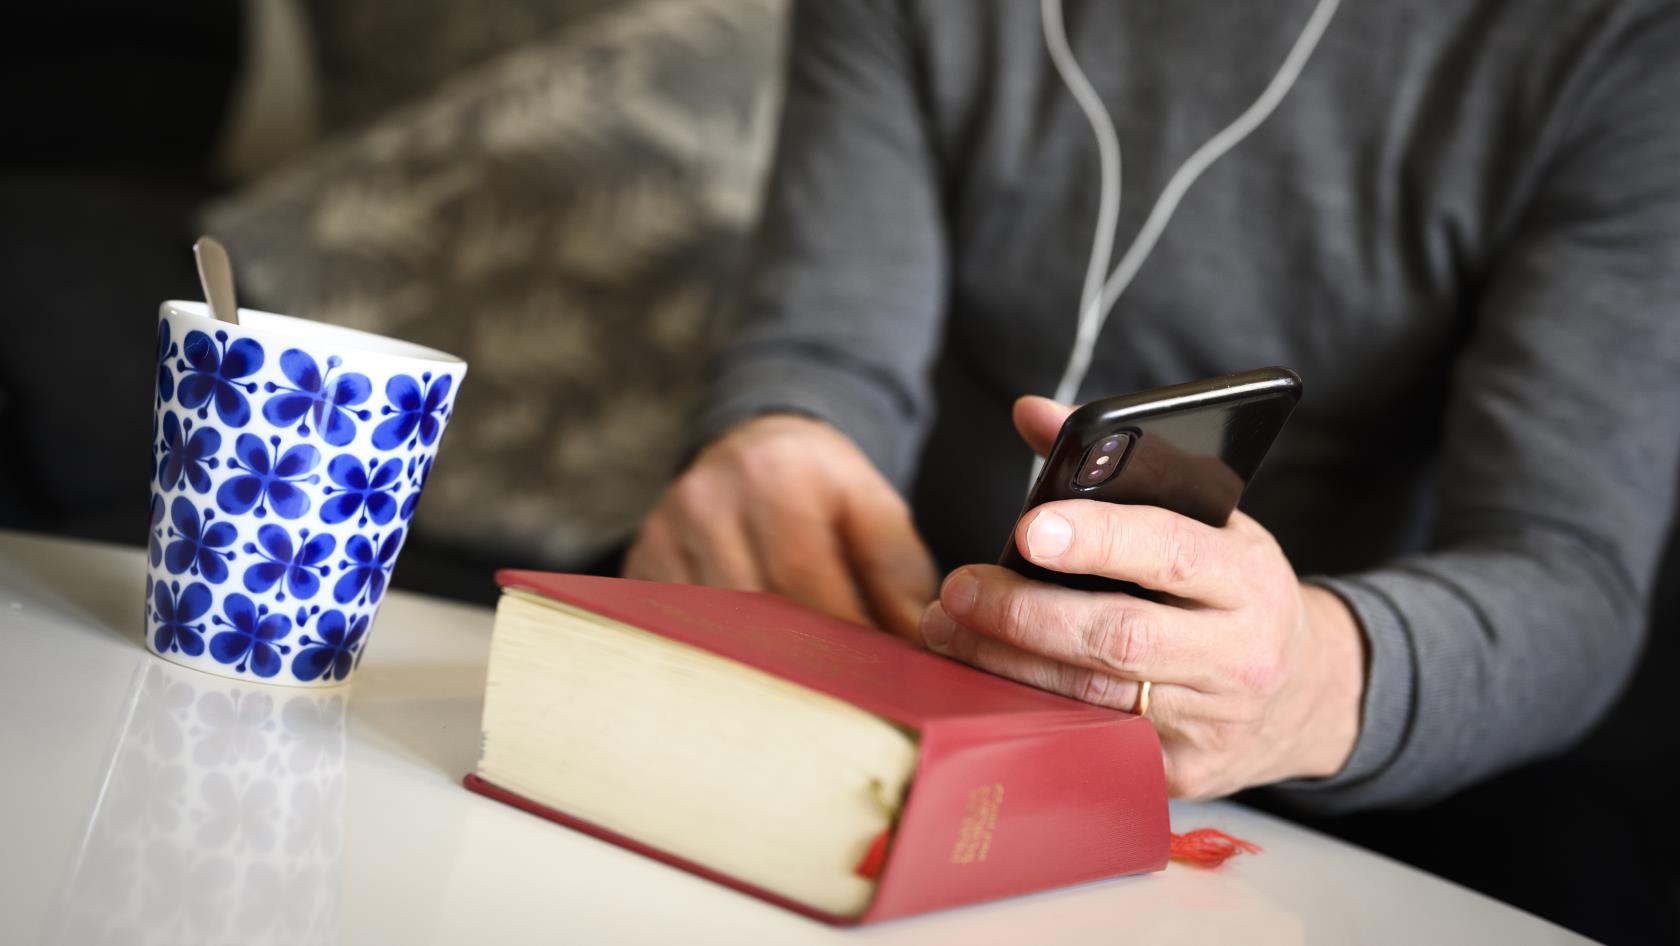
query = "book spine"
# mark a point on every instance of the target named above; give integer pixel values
(997, 812)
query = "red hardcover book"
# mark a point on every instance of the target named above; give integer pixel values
(1013, 789)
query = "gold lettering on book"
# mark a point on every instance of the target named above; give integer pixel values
(980, 814)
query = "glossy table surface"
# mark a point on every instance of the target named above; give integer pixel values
(144, 803)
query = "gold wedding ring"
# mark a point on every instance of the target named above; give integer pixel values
(1141, 707)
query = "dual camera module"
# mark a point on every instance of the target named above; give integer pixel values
(1102, 461)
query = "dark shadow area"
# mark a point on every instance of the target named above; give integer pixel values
(118, 108)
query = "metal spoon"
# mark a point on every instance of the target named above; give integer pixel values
(216, 275)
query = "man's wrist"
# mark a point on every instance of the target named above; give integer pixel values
(1336, 650)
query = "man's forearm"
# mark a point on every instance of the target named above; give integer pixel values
(1480, 659)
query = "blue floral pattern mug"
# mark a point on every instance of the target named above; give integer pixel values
(287, 460)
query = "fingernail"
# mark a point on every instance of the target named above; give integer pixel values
(958, 594)
(1049, 535)
(937, 629)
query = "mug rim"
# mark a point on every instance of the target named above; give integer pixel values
(306, 331)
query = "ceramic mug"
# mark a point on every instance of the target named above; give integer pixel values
(287, 460)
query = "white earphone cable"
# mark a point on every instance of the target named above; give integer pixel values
(1094, 313)
(1108, 157)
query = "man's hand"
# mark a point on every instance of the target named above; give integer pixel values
(1255, 676)
(788, 504)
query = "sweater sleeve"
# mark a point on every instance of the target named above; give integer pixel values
(848, 282)
(1511, 635)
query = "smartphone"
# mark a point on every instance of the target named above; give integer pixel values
(1190, 448)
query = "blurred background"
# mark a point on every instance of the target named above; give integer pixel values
(559, 192)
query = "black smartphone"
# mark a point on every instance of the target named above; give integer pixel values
(1190, 448)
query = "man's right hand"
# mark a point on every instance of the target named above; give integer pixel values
(789, 504)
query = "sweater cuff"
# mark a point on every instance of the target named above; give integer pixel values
(768, 382)
(1387, 710)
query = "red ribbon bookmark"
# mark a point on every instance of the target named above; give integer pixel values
(1207, 847)
(875, 858)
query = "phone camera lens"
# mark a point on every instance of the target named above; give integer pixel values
(1101, 461)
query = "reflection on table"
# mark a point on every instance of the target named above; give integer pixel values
(220, 819)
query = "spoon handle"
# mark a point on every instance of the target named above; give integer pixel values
(215, 272)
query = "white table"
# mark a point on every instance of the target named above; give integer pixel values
(145, 803)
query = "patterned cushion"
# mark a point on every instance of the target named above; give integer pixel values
(375, 54)
(567, 218)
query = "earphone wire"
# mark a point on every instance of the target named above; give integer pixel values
(1109, 163)
(1094, 308)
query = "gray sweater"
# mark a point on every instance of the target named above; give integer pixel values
(1462, 227)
